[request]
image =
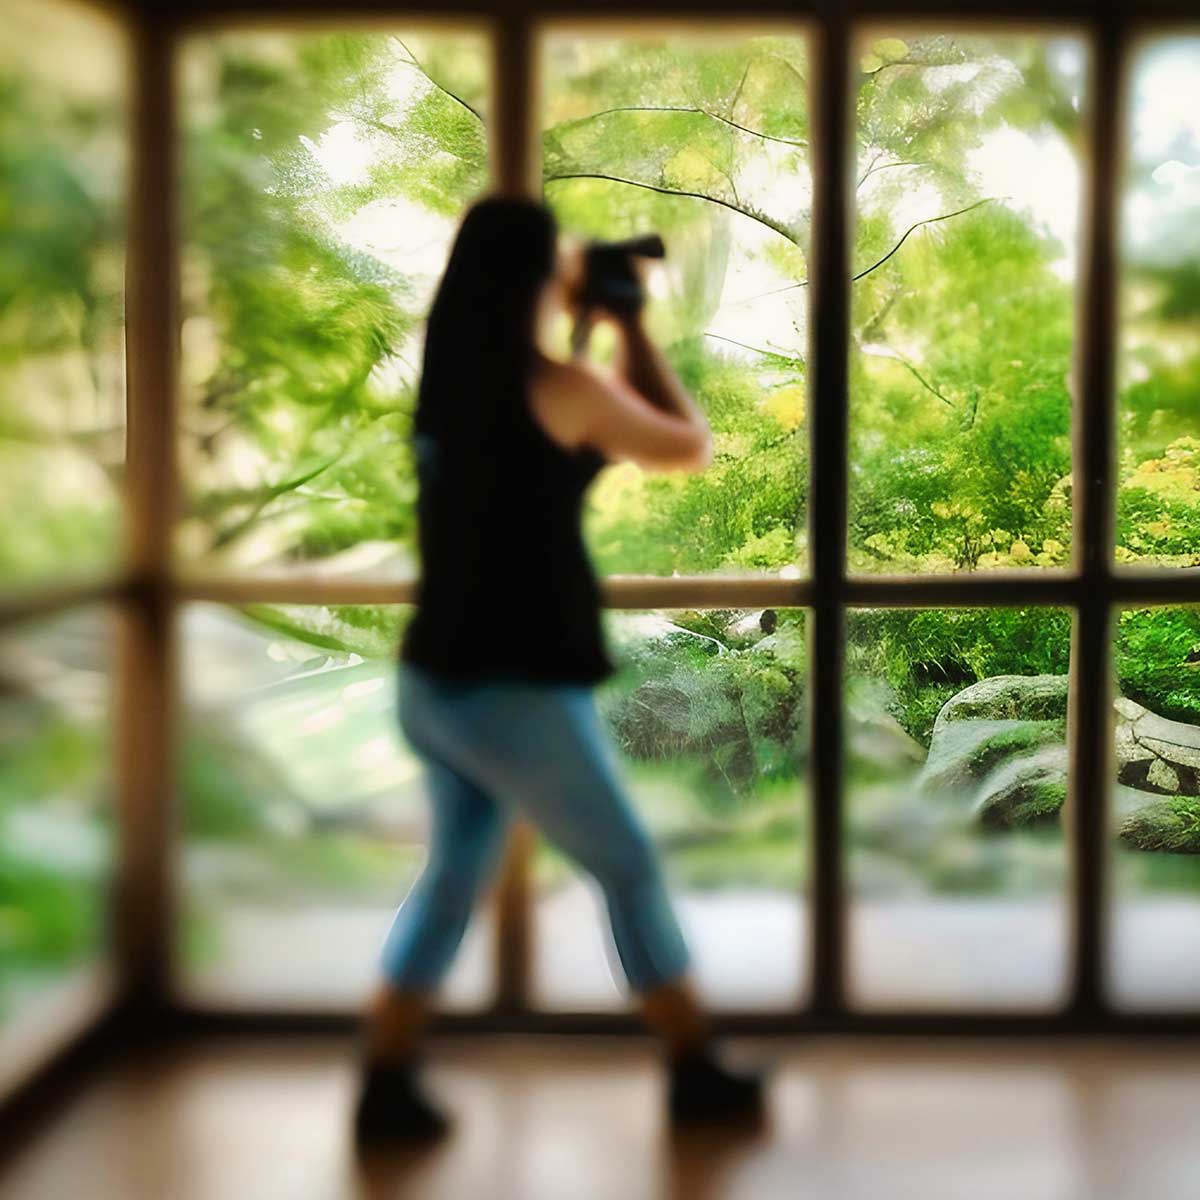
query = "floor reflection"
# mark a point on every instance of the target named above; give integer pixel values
(555, 1118)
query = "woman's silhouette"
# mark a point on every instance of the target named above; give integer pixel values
(501, 658)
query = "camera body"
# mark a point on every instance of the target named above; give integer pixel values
(610, 276)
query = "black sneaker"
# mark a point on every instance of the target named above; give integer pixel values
(392, 1108)
(702, 1089)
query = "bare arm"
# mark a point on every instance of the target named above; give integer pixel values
(645, 366)
(640, 412)
(578, 405)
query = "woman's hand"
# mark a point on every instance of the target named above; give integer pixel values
(587, 319)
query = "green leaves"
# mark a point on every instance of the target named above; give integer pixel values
(300, 403)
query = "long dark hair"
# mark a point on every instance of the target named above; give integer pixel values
(479, 343)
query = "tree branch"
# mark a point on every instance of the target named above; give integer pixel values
(754, 349)
(737, 95)
(788, 287)
(395, 131)
(686, 108)
(874, 170)
(913, 228)
(896, 356)
(751, 213)
(261, 497)
(441, 87)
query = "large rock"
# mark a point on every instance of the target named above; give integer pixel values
(964, 752)
(1171, 825)
(874, 737)
(1154, 754)
(1029, 790)
(879, 739)
(1000, 745)
(1008, 698)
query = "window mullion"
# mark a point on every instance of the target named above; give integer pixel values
(516, 170)
(143, 917)
(1091, 685)
(829, 323)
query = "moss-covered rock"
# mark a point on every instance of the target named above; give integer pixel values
(1008, 698)
(965, 752)
(1010, 743)
(1026, 791)
(1170, 826)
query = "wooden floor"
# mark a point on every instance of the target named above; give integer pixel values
(580, 1120)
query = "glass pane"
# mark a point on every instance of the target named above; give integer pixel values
(63, 152)
(1158, 414)
(324, 175)
(961, 312)
(703, 139)
(1156, 868)
(56, 848)
(709, 715)
(957, 771)
(305, 817)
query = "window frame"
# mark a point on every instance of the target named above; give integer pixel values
(152, 586)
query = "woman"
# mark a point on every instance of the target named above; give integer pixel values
(501, 658)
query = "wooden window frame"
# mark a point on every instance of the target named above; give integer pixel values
(153, 587)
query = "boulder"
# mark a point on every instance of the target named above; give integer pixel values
(1008, 698)
(1155, 754)
(754, 625)
(787, 645)
(879, 739)
(1027, 790)
(1002, 743)
(964, 752)
(1171, 825)
(874, 737)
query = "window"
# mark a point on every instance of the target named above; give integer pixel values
(63, 156)
(1156, 809)
(56, 826)
(709, 717)
(62, 261)
(304, 818)
(967, 197)
(323, 176)
(704, 136)
(909, 698)
(1158, 470)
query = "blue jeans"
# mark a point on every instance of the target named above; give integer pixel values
(501, 748)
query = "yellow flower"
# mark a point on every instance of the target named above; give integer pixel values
(787, 405)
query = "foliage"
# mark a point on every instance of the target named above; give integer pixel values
(1167, 825)
(1026, 737)
(928, 655)
(1031, 801)
(49, 912)
(305, 277)
(306, 331)
(370, 631)
(302, 325)
(47, 918)
(737, 712)
(1158, 660)
(223, 785)
(62, 164)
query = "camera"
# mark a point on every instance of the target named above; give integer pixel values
(610, 276)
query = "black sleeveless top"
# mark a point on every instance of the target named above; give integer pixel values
(507, 589)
